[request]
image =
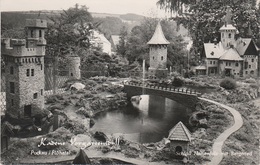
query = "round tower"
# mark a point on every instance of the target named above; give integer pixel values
(74, 66)
(158, 54)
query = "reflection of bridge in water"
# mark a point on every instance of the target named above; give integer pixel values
(185, 96)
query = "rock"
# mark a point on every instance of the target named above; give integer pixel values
(110, 96)
(100, 136)
(105, 149)
(77, 86)
(134, 146)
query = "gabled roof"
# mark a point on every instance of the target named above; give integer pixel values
(158, 37)
(6, 126)
(242, 45)
(213, 51)
(231, 55)
(180, 133)
(228, 27)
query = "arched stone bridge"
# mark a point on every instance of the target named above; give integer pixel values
(184, 96)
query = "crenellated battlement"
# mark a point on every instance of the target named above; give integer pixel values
(39, 23)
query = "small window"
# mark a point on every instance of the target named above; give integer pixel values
(210, 62)
(252, 60)
(12, 88)
(252, 72)
(162, 58)
(229, 35)
(40, 33)
(226, 63)
(32, 72)
(11, 70)
(41, 66)
(246, 72)
(35, 95)
(41, 91)
(12, 102)
(236, 64)
(27, 72)
(229, 63)
(32, 33)
(249, 66)
(153, 57)
(214, 62)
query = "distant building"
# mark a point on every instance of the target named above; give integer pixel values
(158, 54)
(114, 42)
(24, 70)
(98, 39)
(179, 137)
(230, 56)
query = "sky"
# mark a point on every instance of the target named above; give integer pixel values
(142, 7)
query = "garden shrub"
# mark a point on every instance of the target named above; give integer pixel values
(228, 83)
(177, 82)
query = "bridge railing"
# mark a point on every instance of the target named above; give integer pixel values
(166, 88)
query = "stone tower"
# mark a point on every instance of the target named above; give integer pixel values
(74, 66)
(24, 63)
(158, 54)
(228, 31)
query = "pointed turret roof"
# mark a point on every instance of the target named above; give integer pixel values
(180, 133)
(158, 37)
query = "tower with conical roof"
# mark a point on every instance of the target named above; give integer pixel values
(228, 31)
(158, 54)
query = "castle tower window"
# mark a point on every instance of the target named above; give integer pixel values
(41, 66)
(27, 72)
(229, 35)
(41, 91)
(252, 60)
(11, 70)
(32, 33)
(12, 88)
(12, 102)
(236, 63)
(161, 57)
(35, 95)
(32, 72)
(40, 33)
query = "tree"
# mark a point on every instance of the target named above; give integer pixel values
(203, 18)
(69, 31)
(121, 47)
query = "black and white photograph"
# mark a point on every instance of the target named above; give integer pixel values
(130, 82)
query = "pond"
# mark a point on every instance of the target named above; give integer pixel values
(148, 121)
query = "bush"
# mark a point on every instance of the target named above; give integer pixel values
(228, 83)
(177, 82)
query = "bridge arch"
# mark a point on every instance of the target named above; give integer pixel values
(187, 98)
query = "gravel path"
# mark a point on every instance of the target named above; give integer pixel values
(218, 143)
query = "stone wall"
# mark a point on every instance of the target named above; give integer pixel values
(74, 67)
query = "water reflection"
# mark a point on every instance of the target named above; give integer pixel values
(148, 121)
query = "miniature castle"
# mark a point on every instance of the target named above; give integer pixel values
(230, 56)
(24, 69)
(158, 54)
